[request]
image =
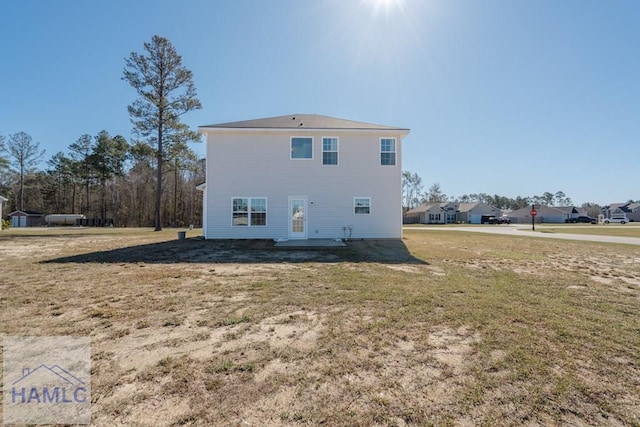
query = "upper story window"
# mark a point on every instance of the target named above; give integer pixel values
(301, 147)
(388, 151)
(329, 151)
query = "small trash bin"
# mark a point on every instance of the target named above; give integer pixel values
(182, 235)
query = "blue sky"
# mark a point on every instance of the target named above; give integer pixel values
(502, 97)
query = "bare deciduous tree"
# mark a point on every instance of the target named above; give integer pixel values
(25, 154)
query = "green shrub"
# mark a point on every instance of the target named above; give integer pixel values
(5, 224)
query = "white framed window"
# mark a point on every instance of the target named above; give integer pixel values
(387, 151)
(249, 211)
(301, 147)
(362, 205)
(329, 151)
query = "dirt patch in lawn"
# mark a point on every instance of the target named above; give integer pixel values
(436, 329)
(620, 271)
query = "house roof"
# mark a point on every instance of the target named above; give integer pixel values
(305, 121)
(614, 206)
(469, 206)
(427, 206)
(541, 210)
(460, 207)
(27, 213)
(567, 209)
(624, 207)
(465, 207)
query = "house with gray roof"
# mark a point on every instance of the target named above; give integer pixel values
(572, 211)
(472, 213)
(630, 209)
(450, 213)
(432, 213)
(302, 176)
(544, 214)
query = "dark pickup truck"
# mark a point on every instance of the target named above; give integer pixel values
(585, 219)
(495, 220)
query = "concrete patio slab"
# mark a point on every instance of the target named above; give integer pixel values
(310, 243)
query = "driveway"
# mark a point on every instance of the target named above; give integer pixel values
(521, 230)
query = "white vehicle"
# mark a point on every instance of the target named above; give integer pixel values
(619, 218)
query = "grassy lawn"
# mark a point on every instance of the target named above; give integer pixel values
(605, 230)
(439, 226)
(443, 328)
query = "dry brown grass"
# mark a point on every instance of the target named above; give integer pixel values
(627, 230)
(444, 328)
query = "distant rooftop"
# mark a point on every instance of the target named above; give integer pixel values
(306, 121)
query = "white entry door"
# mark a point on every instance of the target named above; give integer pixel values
(297, 217)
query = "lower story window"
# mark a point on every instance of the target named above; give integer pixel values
(362, 205)
(249, 211)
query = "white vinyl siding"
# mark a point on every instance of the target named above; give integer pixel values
(241, 164)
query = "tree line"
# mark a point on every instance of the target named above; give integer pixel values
(108, 177)
(101, 176)
(413, 194)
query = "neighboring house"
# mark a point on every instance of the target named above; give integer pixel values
(571, 211)
(544, 214)
(25, 218)
(472, 213)
(449, 213)
(432, 213)
(3, 200)
(631, 210)
(302, 176)
(606, 211)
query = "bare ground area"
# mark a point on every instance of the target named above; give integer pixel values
(442, 328)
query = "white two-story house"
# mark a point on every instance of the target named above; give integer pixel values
(302, 176)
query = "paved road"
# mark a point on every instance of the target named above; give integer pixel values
(521, 230)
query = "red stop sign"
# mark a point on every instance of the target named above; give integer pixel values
(533, 212)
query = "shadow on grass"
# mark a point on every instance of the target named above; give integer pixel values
(197, 250)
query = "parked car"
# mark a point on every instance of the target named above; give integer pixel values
(488, 219)
(582, 218)
(496, 220)
(617, 218)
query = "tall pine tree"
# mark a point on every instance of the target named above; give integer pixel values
(165, 92)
